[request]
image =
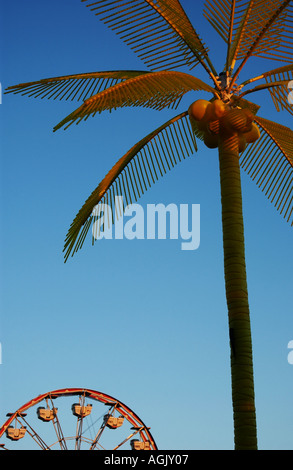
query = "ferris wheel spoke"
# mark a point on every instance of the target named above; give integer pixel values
(59, 433)
(31, 431)
(97, 437)
(129, 437)
(80, 410)
(79, 424)
(57, 426)
(103, 425)
(78, 433)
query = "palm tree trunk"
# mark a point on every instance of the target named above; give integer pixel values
(245, 433)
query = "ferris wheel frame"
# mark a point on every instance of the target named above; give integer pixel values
(137, 424)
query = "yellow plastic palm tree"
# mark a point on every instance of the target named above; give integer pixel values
(161, 34)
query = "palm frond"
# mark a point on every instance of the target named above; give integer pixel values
(155, 90)
(240, 102)
(279, 94)
(269, 162)
(74, 87)
(277, 82)
(264, 31)
(133, 174)
(158, 31)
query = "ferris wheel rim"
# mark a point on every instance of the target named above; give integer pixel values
(127, 412)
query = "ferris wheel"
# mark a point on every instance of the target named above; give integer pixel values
(75, 419)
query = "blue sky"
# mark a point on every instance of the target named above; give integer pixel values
(140, 320)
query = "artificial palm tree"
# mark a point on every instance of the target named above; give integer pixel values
(161, 34)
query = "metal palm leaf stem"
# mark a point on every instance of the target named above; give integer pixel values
(162, 36)
(134, 173)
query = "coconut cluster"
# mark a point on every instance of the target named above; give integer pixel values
(213, 118)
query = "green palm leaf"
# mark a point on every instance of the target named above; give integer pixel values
(158, 31)
(75, 87)
(134, 173)
(269, 162)
(155, 90)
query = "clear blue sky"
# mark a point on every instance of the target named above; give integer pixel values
(141, 320)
